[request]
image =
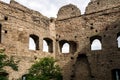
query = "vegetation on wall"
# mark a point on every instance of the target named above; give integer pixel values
(45, 69)
(6, 61)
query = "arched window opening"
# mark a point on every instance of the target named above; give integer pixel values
(66, 48)
(73, 46)
(118, 39)
(47, 45)
(24, 77)
(116, 74)
(96, 43)
(33, 42)
(32, 45)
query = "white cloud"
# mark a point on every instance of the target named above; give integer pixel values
(50, 7)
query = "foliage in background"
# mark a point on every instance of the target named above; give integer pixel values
(45, 69)
(5, 61)
(3, 77)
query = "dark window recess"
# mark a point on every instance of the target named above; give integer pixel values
(72, 76)
(98, 3)
(72, 57)
(5, 31)
(24, 77)
(51, 20)
(75, 36)
(67, 46)
(106, 29)
(35, 57)
(72, 8)
(36, 41)
(91, 28)
(92, 77)
(6, 18)
(116, 74)
(91, 24)
(104, 35)
(95, 37)
(49, 43)
(115, 26)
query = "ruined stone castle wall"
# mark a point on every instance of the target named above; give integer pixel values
(81, 30)
(18, 24)
(98, 5)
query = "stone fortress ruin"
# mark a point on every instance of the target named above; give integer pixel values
(101, 23)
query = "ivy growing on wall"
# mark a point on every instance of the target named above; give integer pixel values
(6, 61)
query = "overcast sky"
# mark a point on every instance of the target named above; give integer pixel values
(50, 8)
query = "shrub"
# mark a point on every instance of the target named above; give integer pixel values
(45, 69)
(5, 61)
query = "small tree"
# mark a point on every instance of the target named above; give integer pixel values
(45, 69)
(5, 61)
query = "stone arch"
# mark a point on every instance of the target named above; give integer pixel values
(67, 46)
(68, 11)
(33, 42)
(82, 68)
(95, 42)
(64, 45)
(47, 45)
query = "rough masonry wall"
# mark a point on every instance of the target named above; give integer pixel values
(17, 24)
(98, 5)
(68, 11)
(18, 11)
(80, 30)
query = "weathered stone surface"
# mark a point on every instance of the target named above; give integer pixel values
(98, 5)
(18, 24)
(68, 11)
